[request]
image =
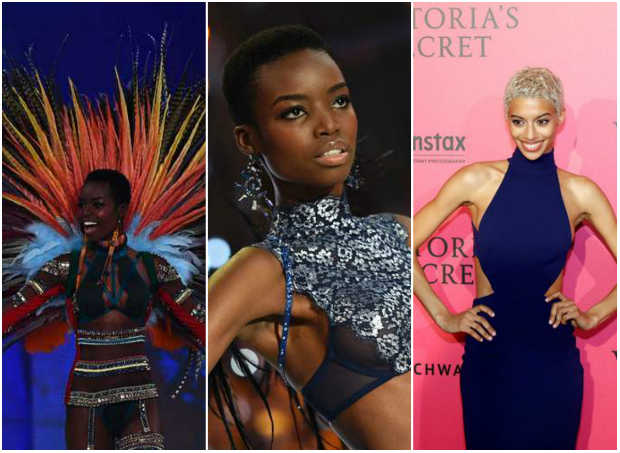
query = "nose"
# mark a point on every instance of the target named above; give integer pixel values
(326, 124)
(530, 132)
(84, 211)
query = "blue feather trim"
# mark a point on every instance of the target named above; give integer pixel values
(49, 244)
(174, 248)
(46, 245)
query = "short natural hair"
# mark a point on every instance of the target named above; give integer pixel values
(120, 188)
(262, 48)
(535, 83)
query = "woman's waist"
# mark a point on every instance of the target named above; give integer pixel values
(521, 322)
(110, 344)
(91, 314)
(516, 303)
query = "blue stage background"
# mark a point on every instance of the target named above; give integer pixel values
(99, 36)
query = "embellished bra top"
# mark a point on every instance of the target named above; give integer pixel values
(128, 292)
(358, 271)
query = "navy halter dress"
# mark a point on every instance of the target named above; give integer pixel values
(523, 389)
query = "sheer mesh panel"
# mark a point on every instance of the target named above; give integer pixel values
(356, 352)
(351, 369)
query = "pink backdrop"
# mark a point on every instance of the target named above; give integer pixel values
(464, 53)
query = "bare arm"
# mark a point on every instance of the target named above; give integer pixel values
(458, 191)
(248, 287)
(597, 211)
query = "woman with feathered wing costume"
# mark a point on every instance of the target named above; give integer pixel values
(105, 284)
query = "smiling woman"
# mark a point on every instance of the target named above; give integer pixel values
(110, 286)
(132, 189)
(103, 203)
(521, 378)
(325, 297)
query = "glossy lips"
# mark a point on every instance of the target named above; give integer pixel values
(334, 154)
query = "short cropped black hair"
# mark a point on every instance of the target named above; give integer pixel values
(262, 48)
(118, 183)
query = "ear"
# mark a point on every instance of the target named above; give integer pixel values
(245, 138)
(561, 117)
(122, 210)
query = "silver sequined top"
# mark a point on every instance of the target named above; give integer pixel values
(357, 269)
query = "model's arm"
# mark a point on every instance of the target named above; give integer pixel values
(178, 301)
(250, 286)
(596, 210)
(48, 282)
(458, 191)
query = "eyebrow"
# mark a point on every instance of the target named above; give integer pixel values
(537, 118)
(301, 97)
(92, 199)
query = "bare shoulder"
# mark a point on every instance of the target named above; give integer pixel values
(466, 186)
(251, 275)
(255, 261)
(581, 188)
(479, 173)
(489, 169)
(251, 268)
(470, 181)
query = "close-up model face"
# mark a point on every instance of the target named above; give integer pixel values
(306, 126)
(98, 212)
(533, 124)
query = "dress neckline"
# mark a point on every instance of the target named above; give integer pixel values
(544, 164)
(315, 214)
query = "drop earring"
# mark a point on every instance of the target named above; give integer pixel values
(354, 181)
(251, 184)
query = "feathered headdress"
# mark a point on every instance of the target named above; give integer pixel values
(156, 138)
